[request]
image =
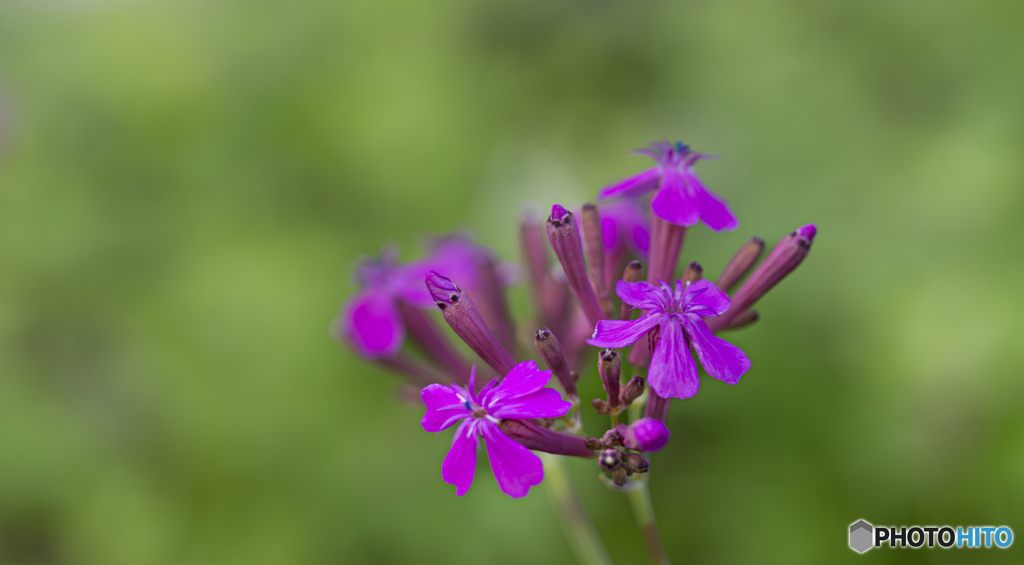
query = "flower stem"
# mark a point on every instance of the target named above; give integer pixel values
(640, 499)
(580, 530)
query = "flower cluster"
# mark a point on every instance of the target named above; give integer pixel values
(616, 284)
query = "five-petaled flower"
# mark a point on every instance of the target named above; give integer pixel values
(520, 395)
(679, 315)
(681, 197)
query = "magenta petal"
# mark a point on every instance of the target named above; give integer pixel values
(372, 324)
(713, 210)
(720, 359)
(672, 204)
(673, 373)
(621, 333)
(610, 232)
(706, 299)
(640, 240)
(460, 464)
(545, 403)
(515, 468)
(525, 378)
(635, 185)
(444, 407)
(634, 294)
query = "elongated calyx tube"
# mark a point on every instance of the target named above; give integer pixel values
(537, 437)
(565, 240)
(741, 263)
(554, 357)
(435, 344)
(593, 245)
(783, 259)
(666, 243)
(464, 317)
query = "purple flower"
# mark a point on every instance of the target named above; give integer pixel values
(680, 197)
(679, 317)
(371, 319)
(520, 395)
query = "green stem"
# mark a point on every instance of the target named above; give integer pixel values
(580, 530)
(640, 499)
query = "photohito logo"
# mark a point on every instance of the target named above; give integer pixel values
(864, 536)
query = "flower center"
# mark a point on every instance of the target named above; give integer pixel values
(476, 410)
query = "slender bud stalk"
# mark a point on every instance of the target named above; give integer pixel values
(565, 240)
(531, 245)
(494, 303)
(463, 316)
(693, 273)
(425, 332)
(609, 367)
(554, 356)
(538, 438)
(666, 243)
(785, 257)
(740, 263)
(593, 245)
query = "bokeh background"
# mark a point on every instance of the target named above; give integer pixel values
(185, 186)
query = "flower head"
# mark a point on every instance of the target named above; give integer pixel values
(680, 197)
(679, 316)
(520, 395)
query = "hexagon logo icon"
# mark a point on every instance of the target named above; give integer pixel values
(861, 534)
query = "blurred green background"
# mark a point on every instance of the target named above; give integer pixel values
(185, 185)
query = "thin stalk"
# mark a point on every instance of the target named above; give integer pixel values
(643, 510)
(578, 528)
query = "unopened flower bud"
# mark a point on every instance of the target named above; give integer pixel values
(636, 462)
(554, 356)
(601, 406)
(693, 273)
(463, 316)
(657, 406)
(634, 389)
(592, 443)
(785, 257)
(609, 367)
(647, 434)
(619, 477)
(609, 460)
(634, 272)
(612, 438)
(740, 263)
(565, 240)
(744, 319)
(531, 244)
(593, 245)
